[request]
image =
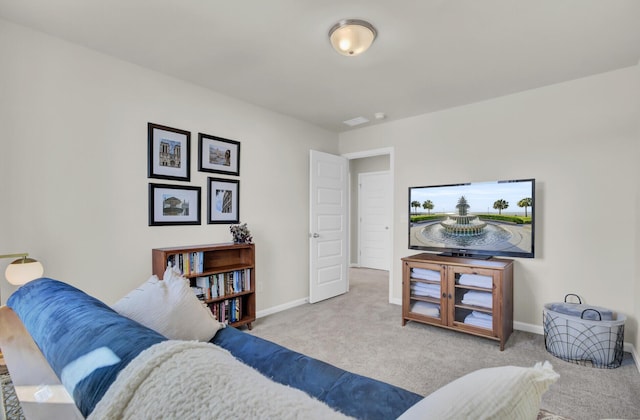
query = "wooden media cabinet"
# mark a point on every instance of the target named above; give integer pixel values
(469, 295)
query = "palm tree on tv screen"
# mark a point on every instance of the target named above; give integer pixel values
(525, 202)
(416, 205)
(428, 206)
(500, 205)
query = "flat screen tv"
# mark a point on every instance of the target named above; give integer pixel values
(478, 219)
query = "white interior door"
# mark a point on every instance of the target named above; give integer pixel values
(374, 208)
(328, 239)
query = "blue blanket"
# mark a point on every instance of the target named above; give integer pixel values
(351, 394)
(87, 344)
(68, 324)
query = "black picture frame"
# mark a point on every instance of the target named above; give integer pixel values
(167, 205)
(169, 151)
(223, 204)
(218, 155)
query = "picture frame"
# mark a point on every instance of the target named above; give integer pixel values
(169, 151)
(218, 155)
(223, 201)
(174, 205)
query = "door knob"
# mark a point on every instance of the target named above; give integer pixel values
(315, 235)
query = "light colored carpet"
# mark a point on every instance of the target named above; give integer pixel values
(362, 333)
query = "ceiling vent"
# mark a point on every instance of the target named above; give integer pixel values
(356, 121)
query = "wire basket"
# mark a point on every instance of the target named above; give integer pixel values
(590, 342)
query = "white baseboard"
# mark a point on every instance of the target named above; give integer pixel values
(532, 328)
(280, 308)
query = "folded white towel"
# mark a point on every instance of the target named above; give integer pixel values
(426, 308)
(482, 315)
(425, 274)
(425, 286)
(476, 280)
(479, 320)
(425, 289)
(483, 299)
(479, 323)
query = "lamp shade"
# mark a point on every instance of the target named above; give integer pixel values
(23, 270)
(351, 37)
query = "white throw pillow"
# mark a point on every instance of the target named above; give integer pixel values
(507, 392)
(169, 307)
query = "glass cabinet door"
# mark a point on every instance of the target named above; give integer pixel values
(426, 292)
(473, 298)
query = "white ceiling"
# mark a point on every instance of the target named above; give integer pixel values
(429, 54)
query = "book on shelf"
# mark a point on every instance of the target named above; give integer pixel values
(189, 263)
(228, 310)
(247, 279)
(205, 284)
(230, 282)
(220, 285)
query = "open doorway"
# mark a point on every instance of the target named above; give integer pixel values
(371, 167)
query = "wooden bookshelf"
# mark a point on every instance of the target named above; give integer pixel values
(234, 300)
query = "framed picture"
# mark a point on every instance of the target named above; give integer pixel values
(224, 201)
(169, 151)
(218, 155)
(174, 205)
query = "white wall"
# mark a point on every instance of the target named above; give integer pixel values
(580, 141)
(73, 159)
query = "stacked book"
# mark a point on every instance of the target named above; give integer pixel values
(227, 311)
(222, 284)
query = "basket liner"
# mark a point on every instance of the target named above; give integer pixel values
(581, 310)
(575, 339)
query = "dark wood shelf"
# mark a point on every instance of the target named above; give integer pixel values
(218, 259)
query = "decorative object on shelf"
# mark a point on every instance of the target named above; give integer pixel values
(174, 205)
(224, 201)
(218, 155)
(241, 234)
(169, 152)
(22, 270)
(351, 37)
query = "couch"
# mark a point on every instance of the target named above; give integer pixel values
(116, 367)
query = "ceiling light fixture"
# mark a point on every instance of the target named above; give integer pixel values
(351, 37)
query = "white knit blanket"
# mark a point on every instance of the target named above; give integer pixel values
(191, 380)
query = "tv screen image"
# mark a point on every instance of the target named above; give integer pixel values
(478, 219)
